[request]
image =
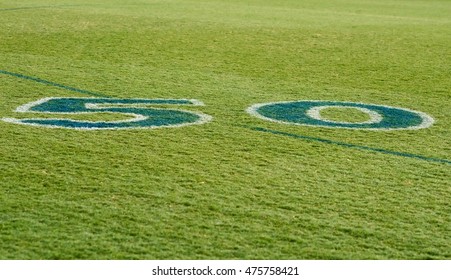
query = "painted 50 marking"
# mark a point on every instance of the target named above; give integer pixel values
(141, 115)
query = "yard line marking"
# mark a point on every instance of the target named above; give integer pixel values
(49, 83)
(352, 146)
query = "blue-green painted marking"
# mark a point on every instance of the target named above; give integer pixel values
(352, 146)
(135, 111)
(49, 83)
(78, 105)
(300, 113)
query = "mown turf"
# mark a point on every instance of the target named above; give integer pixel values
(226, 190)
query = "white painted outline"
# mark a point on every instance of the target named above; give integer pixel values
(26, 108)
(194, 102)
(427, 120)
(315, 113)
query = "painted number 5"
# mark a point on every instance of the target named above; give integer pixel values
(137, 110)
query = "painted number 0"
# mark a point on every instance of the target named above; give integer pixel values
(141, 115)
(307, 112)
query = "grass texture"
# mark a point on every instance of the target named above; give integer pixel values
(238, 187)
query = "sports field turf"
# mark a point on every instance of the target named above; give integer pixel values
(226, 184)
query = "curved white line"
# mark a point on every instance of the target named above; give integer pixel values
(315, 113)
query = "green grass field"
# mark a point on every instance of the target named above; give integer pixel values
(237, 186)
